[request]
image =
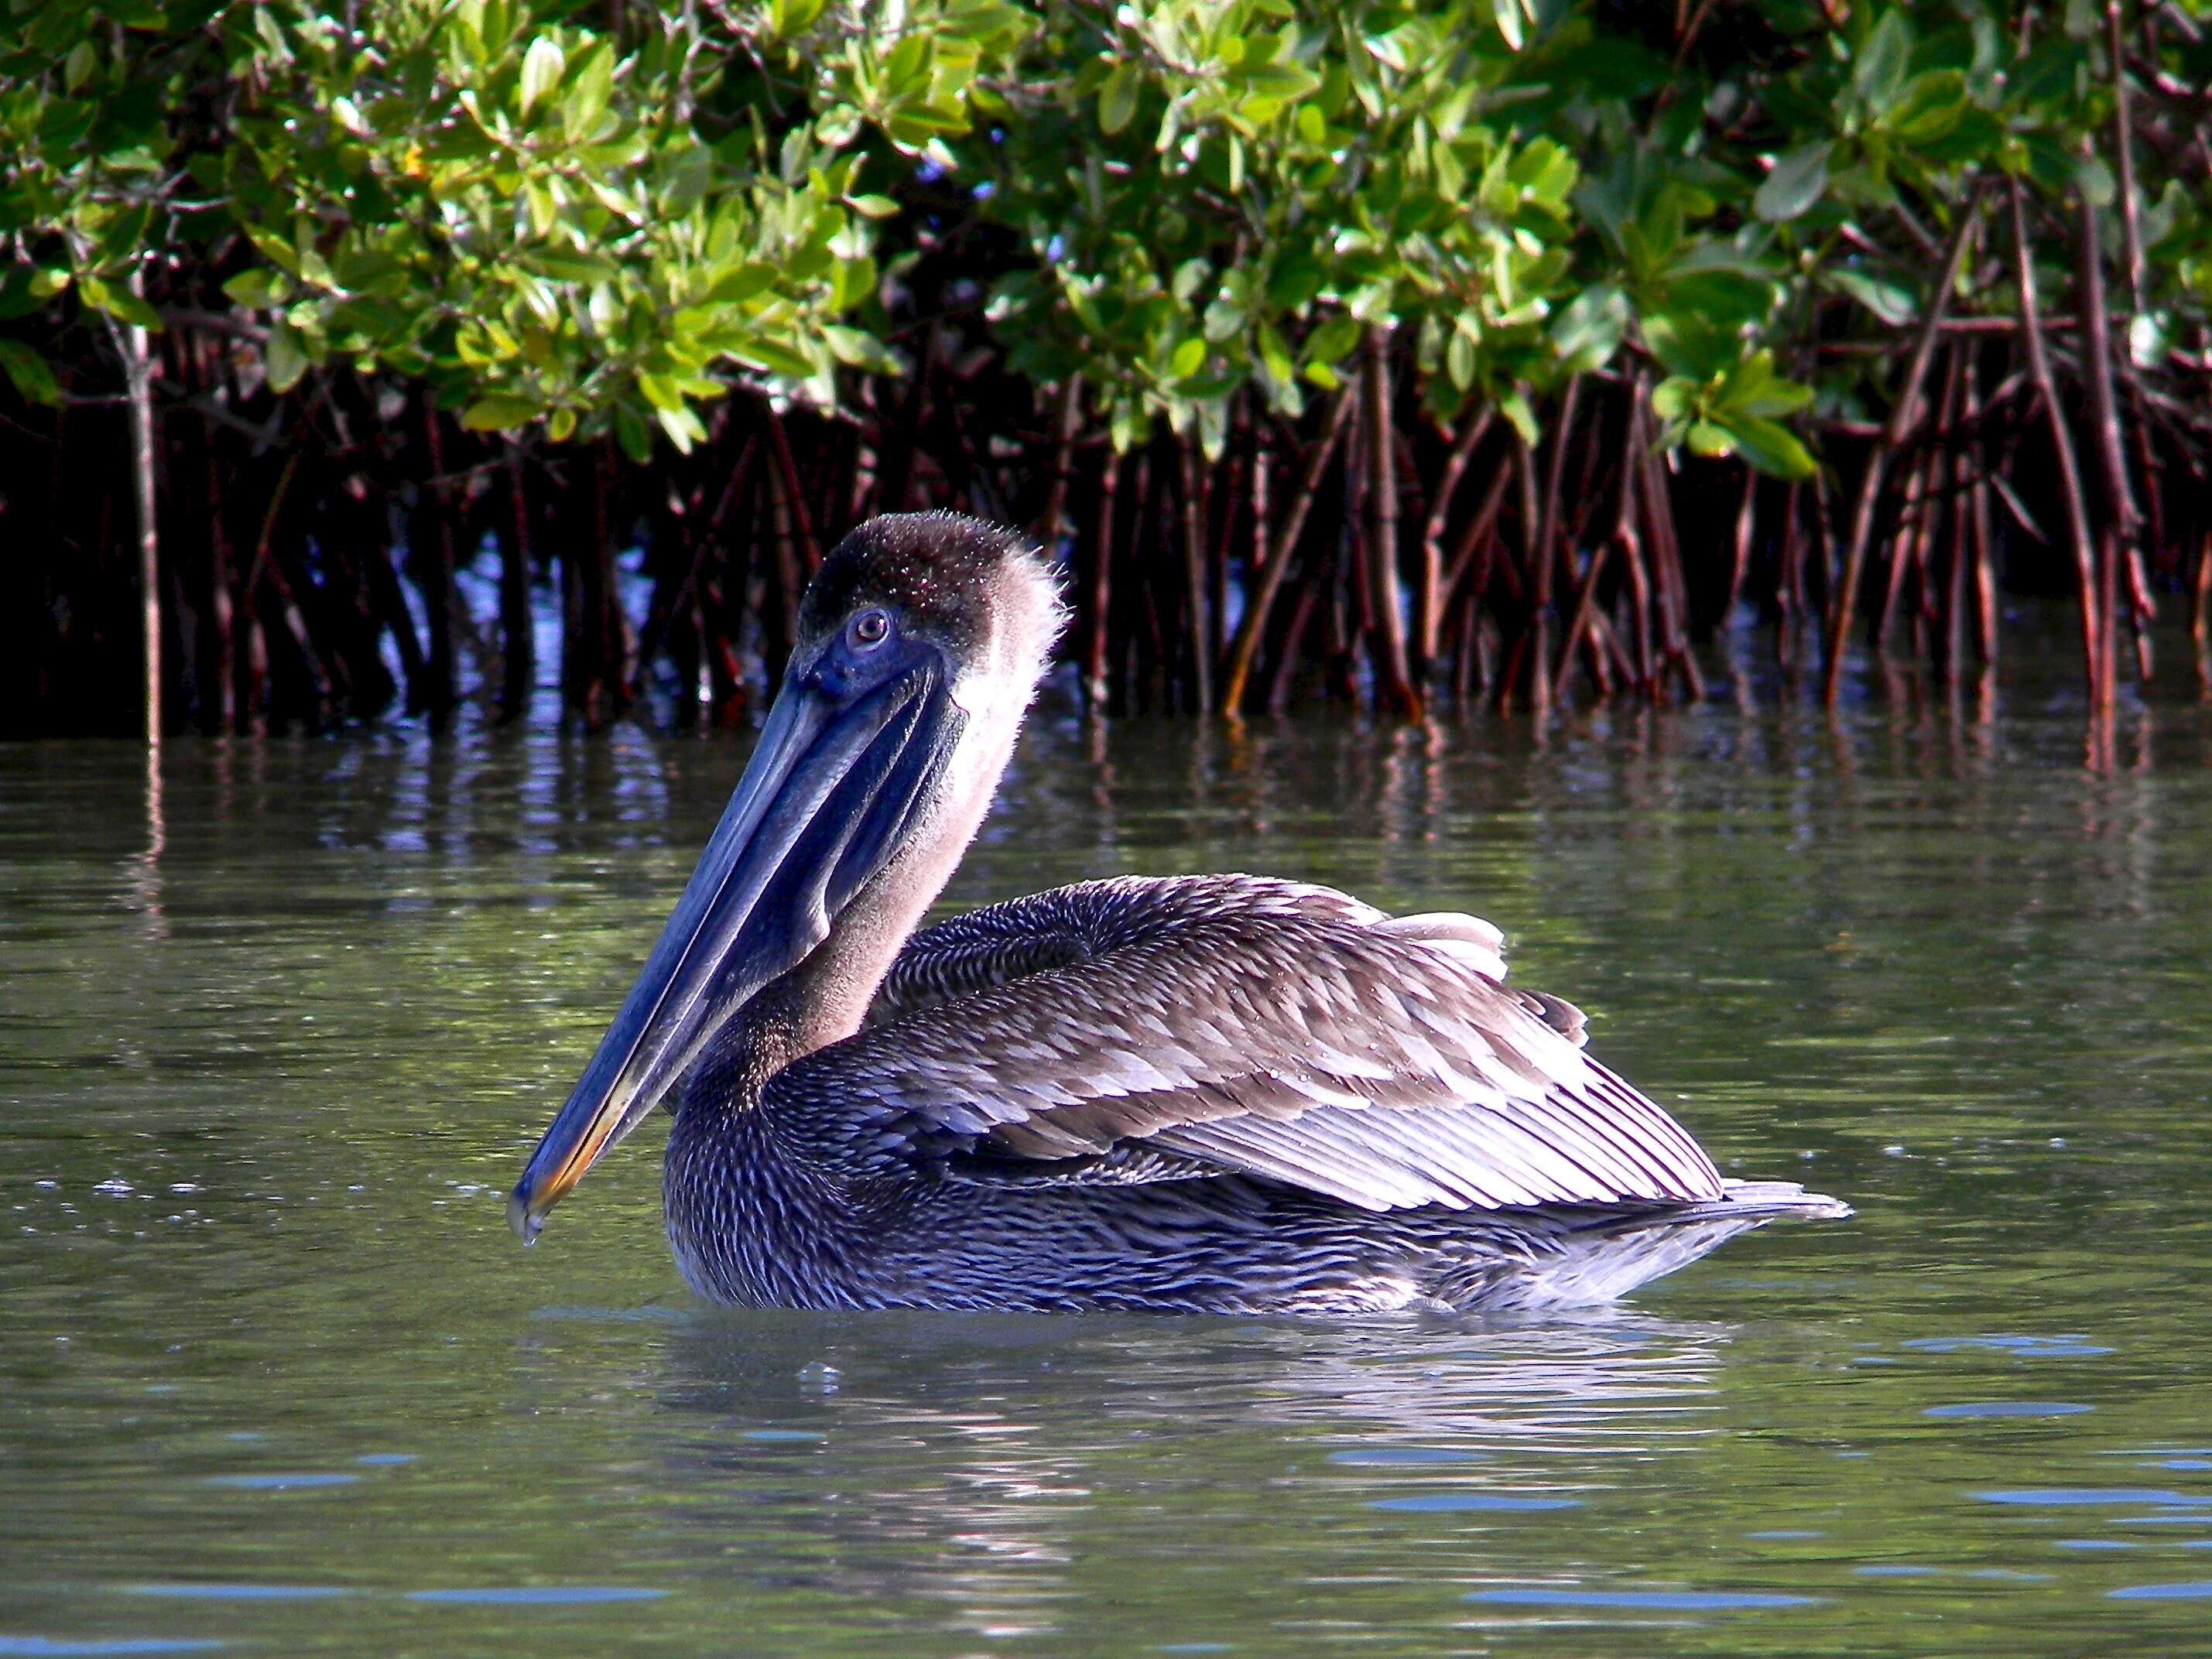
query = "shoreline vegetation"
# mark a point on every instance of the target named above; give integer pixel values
(1402, 355)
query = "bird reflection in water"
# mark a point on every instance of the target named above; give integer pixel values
(995, 1467)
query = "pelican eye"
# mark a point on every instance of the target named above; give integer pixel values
(868, 630)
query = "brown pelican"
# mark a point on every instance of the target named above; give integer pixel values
(1212, 1093)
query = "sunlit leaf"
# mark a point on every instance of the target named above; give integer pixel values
(1330, 342)
(1932, 106)
(1588, 329)
(1893, 302)
(27, 372)
(2093, 177)
(498, 411)
(1459, 360)
(1514, 406)
(258, 288)
(119, 302)
(542, 68)
(1767, 444)
(283, 359)
(1878, 73)
(1117, 99)
(1710, 439)
(683, 427)
(1687, 345)
(1799, 180)
(1673, 398)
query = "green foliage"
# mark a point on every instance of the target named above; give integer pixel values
(1259, 184)
(545, 218)
(601, 216)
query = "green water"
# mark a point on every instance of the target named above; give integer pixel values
(274, 1377)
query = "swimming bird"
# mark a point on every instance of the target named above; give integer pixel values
(1227, 1093)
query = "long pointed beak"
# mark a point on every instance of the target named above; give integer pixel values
(832, 784)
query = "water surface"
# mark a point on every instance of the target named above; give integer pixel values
(276, 1379)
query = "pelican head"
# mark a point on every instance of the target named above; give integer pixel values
(919, 645)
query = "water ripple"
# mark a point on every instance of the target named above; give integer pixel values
(1443, 1502)
(2083, 1495)
(41, 1647)
(240, 1592)
(540, 1594)
(286, 1482)
(1384, 1456)
(2069, 1346)
(1539, 1595)
(2010, 1408)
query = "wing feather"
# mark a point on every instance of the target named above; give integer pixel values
(1146, 1029)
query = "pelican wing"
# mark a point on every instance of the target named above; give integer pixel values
(1145, 1030)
